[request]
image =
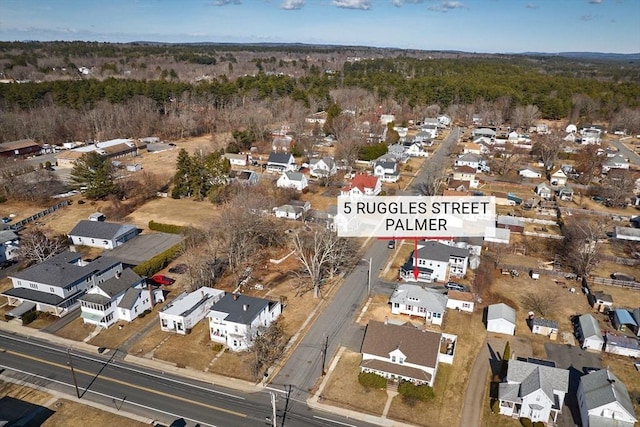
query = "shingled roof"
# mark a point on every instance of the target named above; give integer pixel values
(100, 229)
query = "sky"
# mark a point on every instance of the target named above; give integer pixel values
(483, 26)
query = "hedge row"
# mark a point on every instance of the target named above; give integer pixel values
(166, 228)
(408, 390)
(158, 262)
(371, 380)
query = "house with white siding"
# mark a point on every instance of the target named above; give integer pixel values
(460, 300)
(604, 401)
(414, 300)
(102, 234)
(187, 309)
(501, 319)
(589, 333)
(435, 262)
(294, 180)
(236, 319)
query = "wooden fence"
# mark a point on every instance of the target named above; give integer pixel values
(19, 225)
(613, 282)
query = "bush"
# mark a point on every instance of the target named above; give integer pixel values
(30, 317)
(409, 390)
(165, 228)
(371, 380)
(158, 262)
(526, 422)
(538, 424)
(495, 406)
(81, 202)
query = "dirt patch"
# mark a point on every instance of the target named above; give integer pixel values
(71, 414)
(192, 350)
(75, 330)
(234, 365)
(184, 212)
(25, 393)
(344, 390)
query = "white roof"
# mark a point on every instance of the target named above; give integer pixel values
(103, 144)
(183, 303)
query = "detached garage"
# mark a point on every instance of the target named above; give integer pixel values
(501, 319)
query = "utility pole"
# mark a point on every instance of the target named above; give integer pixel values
(369, 277)
(73, 373)
(324, 354)
(274, 422)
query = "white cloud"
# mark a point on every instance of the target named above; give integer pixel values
(292, 4)
(399, 3)
(353, 4)
(446, 5)
(595, 1)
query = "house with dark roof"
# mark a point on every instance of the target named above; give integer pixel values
(533, 390)
(236, 319)
(435, 262)
(280, 162)
(323, 167)
(102, 234)
(187, 309)
(604, 401)
(244, 177)
(546, 327)
(56, 285)
(386, 170)
(414, 300)
(404, 352)
(122, 297)
(621, 345)
(20, 148)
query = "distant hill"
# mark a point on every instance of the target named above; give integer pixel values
(590, 55)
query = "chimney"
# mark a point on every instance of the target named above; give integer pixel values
(235, 297)
(245, 307)
(117, 274)
(386, 320)
(151, 294)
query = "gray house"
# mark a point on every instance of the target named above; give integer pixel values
(604, 401)
(589, 333)
(101, 234)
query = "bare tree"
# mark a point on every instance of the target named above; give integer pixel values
(546, 148)
(588, 163)
(619, 184)
(321, 253)
(434, 177)
(268, 345)
(525, 116)
(38, 245)
(503, 162)
(543, 303)
(581, 244)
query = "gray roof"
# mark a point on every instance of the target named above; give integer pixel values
(130, 297)
(117, 285)
(510, 220)
(7, 236)
(294, 176)
(38, 296)
(533, 376)
(100, 229)
(589, 327)
(501, 311)
(241, 309)
(61, 269)
(603, 387)
(437, 251)
(469, 157)
(539, 321)
(280, 158)
(433, 300)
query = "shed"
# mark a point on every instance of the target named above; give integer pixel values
(622, 345)
(546, 327)
(501, 319)
(589, 333)
(623, 320)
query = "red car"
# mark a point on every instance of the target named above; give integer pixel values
(162, 280)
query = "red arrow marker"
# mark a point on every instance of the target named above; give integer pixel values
(416, 272)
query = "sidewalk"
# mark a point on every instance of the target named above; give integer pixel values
(161, 366)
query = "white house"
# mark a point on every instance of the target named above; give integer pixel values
(401, 352)
(386, 171)
(323, 167)
(621, 345)
(416, 150)
(501, 319)
(244, 177)
(533, 390)
(288, 211)
(627, 233)
(469, 159)
(589, 333)
(415, 300)
(55, 285)
(466, 173)
(529, 173)
(295, 180)
(237, 159)
(236, 319)
(9, 245)
(459, 300)
(184, 312)
(280, 162)
(436, 262)
(102, 234)
(122, 297)
(486, 132)
(362, 185)
(543, 190)
(615, 162)
(604, 401)
(559, 178)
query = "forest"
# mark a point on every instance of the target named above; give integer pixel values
(175, 91)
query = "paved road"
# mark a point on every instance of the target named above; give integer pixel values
(145, 392)
(336, 322)
(625, 152)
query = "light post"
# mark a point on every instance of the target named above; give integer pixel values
(368, 276)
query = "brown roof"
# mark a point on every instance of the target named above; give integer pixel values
(460, 296)
(455, 193)
(420, 347)
(16, 145)
(455, 183)
(394, 368)
(118, 148)
(465, 169)
(72, 155)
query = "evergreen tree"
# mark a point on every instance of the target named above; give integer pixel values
(181, 184)
(506, 354)
(93, 174)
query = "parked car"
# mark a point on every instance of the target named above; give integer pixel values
(391, 244)
(161, 279)
(453, 286)
(6, 220)
(179, 269)
(623, 276)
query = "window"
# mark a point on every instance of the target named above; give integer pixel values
(164, 323)
(422, 309)
(466, 305)
(401, 360)
(437, 315)
(179, 326)
(393, 359)
(33, 285)
(396, 305)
